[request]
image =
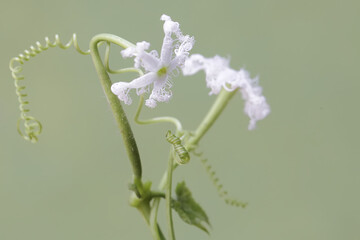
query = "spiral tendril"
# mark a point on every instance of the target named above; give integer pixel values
(181, 152)
(33, 126)
(216, 182)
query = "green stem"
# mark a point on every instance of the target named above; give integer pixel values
(121, 70)
(149, 213)
(219, 105)
(121, 119)
(144, 208)
(155, 229)
(172, 120)
(155, 208)
(155, 194)
(118, 111)
(168, 196)
(214, 112)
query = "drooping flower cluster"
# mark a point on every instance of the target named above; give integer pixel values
(158, 69)
(219, 75)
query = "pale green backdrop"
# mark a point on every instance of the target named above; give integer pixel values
(299, 170)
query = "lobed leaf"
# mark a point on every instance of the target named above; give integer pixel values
(188, 209)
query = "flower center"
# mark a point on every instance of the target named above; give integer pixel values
(162, 71)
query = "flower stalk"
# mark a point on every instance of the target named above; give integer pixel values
(217, 108)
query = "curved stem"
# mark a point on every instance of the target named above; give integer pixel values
(121, 70)
(118, 111)
(121, 119)
(219, 105)
(172, 120)
(155, 230)
(168, 196)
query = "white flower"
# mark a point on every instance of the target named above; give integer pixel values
(158, 70)
(219, 75)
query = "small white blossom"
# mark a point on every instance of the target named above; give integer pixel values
(158, 69)
(219, 75)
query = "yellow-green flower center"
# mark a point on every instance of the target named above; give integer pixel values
(162, 71)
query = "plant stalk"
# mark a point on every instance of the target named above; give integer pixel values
(118, 111)
(216, 109)
(168, 196)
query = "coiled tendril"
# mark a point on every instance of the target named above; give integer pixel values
(219, 187)
(181, 152)
(33, 126)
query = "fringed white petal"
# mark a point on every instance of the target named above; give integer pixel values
(143, 81)
(219, 75)
(257, 109)
(137, 52)
(256, 106)
(122, 89)
(193, 64)
(167, 50)
(186, 44)
(214, 67)
(160, 93)
(134, 51)
(177, 62)
(117, 88)
(159, 69)
(128, 52)
(149, 62)
(228, 77)
(165, 17)
(151, 103)
(169, 25)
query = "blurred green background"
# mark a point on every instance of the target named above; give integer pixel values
(299, 170)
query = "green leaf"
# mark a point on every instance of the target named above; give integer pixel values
(189, 210)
